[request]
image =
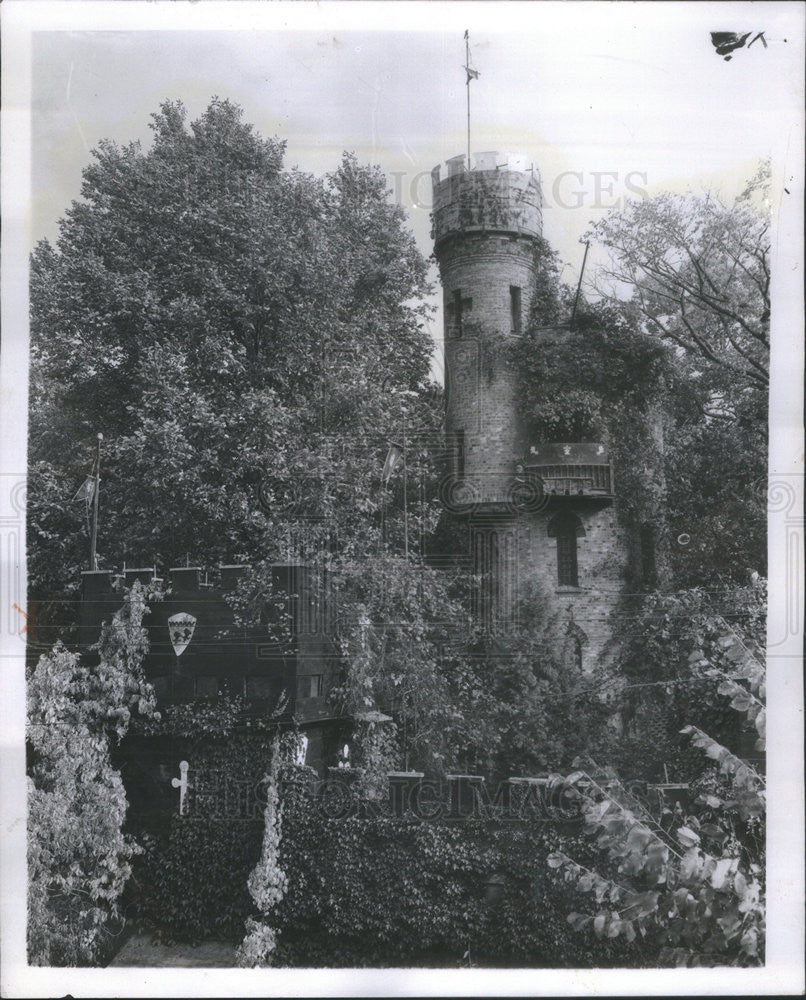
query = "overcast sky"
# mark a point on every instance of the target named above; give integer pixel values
(607, 96)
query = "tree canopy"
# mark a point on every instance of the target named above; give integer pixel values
(249, 339)
(699, 275)
(697, 272)
(233, 328)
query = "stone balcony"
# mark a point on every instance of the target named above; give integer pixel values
(571, 469)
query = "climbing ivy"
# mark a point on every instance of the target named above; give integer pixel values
(601, 381)
(267, 881)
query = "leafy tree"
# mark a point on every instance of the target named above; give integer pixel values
(716, 489)
(671, 646)
(697, 275)
(694, 881)
(78, 856)
(517, 705)
(248, 339)
(700, 277)
(234, 329)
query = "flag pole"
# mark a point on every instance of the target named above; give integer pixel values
(94, 534)
(579, 286)
(467, 74)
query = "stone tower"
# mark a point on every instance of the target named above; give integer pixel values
(536, 512)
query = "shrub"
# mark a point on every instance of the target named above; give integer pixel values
(389, 891)
(192, 884)
(192, 881)
(78, 856)
(693, 880)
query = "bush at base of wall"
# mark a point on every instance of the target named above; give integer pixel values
(191, 885)
(379, 891)
(403, 892)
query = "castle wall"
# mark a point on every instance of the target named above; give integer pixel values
(601, 569)
(220, 657)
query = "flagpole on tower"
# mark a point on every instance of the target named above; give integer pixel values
(94, 534)
(467, 69)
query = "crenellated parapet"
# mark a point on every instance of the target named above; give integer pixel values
(499, 194)
(199, 650)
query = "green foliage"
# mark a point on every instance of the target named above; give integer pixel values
(214, 719)
(678, 652)
(692, 880)
(192, 881)
(606, 380)
(386, 891)
(699, 276)
(717, 490)
(459, 697)
(516, 706)
(606, 361)
(375, 890)
(549, 299)
(267, 881)
(376, 752)
(674, 378)
(224, 322)
(193, 884)
(395, 618)
(78, 856)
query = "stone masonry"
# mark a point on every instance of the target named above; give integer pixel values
(547, 522)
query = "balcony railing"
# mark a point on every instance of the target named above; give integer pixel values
(577, 469)
(565, 480)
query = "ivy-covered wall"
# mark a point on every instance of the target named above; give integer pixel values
(376, 890)
(399, 892)
(606, 381)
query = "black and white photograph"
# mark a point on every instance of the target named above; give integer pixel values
(402, 498)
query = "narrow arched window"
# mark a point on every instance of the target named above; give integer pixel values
(566, 528)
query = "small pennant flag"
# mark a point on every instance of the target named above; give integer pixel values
(86, 491)
(394, 459)
(472, 74)
(180, 629)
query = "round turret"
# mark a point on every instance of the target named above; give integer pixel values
(487, 224)
(499, 194)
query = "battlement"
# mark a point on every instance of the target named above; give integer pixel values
(490, 160)
(199, 650)
(500, 193)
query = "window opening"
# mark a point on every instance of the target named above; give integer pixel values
(515, 308)
(566, 528)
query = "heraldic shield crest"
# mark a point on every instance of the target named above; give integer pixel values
(180, 629)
